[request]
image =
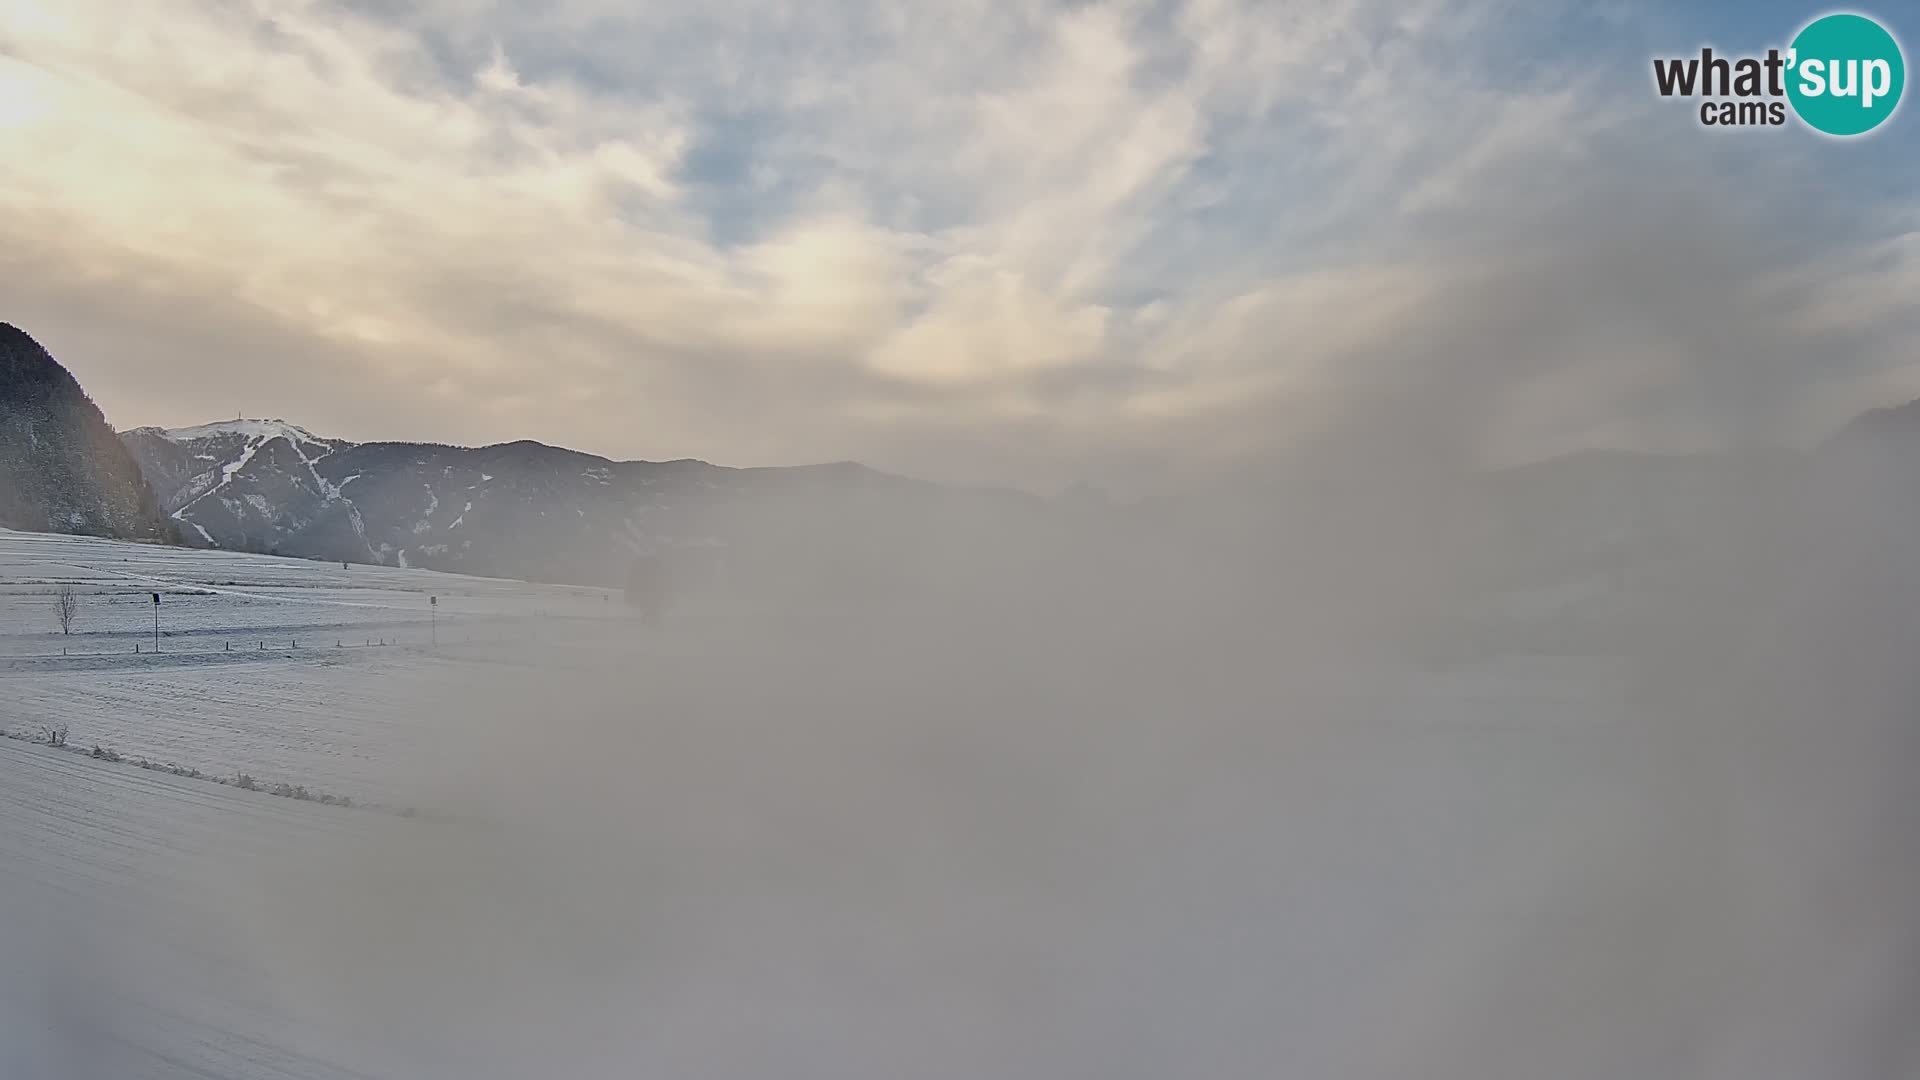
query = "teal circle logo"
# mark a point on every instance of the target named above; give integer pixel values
(1845, 74)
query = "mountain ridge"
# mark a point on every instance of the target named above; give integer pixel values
(269, 428)
(516, 509)
(62, 467)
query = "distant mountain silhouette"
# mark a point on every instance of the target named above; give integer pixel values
(1893, 426)
(62, 468)
(528, 510)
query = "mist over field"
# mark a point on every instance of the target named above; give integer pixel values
(1222, 792)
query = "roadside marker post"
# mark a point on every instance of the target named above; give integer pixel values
(156, 621)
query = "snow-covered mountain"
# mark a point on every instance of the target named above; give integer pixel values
(523, 509)
(208, 479)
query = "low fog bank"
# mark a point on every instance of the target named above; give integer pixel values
(1173, 797)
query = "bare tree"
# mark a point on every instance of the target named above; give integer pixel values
(69, 605)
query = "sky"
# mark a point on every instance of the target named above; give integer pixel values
(1022, 242)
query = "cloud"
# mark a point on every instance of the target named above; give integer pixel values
(989, 242)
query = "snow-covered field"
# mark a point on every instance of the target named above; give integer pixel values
(124, 951)
(285, 670)
(692, 850)
(212, 599)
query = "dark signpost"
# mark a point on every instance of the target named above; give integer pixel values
(156, 621)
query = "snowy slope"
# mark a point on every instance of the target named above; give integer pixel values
(242, 484)
(253, 430)
(121, 960)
